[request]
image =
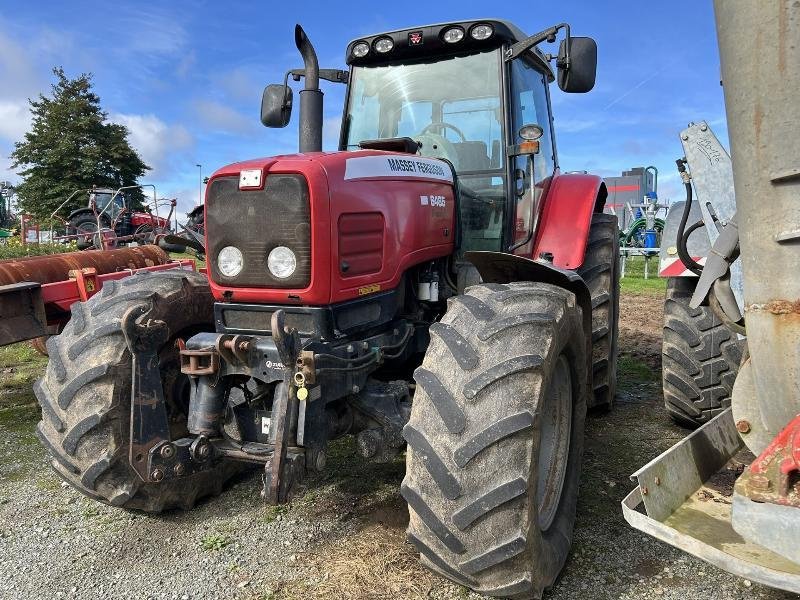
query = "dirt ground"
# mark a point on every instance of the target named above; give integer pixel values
(343, 537)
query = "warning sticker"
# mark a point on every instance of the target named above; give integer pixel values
(369, 167)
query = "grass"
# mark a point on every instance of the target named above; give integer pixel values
(634, 281)
(188, 254)
(275, 511)
(214, 542)
(633, 373)
(20, 365)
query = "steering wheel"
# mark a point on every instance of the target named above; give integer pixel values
(443, 125)
(434, 145)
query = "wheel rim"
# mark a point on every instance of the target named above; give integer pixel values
(87, 230)
(556, 428)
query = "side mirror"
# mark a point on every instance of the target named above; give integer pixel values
(276, 105)
(577, 64)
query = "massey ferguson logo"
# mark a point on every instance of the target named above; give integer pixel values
(437, 201)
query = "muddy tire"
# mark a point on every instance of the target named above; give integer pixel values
(600, 271)
(495, 438)
(85, 393)
(700, 357)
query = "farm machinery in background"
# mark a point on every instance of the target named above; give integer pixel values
(437, 285)
(729, 493)
(109, 219)
(633, 198)
(38, 292)
(8, 221)
(697, 390)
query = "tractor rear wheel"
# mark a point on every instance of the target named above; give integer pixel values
(495, 438)
(700, 357)
(600, 271)
(85, 393)
(84, 224)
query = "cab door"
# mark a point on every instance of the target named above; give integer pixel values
(531, 173)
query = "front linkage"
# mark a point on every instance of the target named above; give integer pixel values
(290, 435)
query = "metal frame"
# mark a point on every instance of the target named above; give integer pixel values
(28, 308)
(667, 491)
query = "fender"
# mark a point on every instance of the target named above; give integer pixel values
(79, 211)
(567, 217)
(500, 267)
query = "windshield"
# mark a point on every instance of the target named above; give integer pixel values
(453, 108)
(101, 200)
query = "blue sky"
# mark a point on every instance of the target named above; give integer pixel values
(186, 77)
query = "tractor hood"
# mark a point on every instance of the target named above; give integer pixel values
(325, 227)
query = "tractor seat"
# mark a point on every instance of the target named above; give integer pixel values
(472, 156)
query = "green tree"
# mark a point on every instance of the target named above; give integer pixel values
(71, 146)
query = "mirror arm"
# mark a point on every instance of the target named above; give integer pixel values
(333, 75)
(548, 34)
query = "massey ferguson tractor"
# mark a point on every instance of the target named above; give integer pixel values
(109, 212)
(435, 286)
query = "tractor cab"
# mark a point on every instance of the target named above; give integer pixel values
(476, 94)
(107, 201)
(451, 90)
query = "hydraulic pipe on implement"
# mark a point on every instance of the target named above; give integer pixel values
(56, 267)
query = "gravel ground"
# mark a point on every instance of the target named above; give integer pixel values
(343, 536)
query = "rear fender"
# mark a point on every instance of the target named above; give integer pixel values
(78, 212)
(499, 267)
(567, 216)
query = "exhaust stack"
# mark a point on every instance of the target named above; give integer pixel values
(310, 96)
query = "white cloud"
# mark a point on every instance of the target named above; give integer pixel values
(155, 140)
(241, 83)
(223, 118)
(15, 119)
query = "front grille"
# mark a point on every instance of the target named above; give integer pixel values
(256, 221)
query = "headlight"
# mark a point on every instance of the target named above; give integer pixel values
(230, 261)
(281, 262)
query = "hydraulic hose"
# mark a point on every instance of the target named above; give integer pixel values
(683, 253)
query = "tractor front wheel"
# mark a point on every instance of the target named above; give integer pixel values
(85, 393)
(495, 438)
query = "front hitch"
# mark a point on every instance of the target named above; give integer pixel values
(284, 469)
(149, 423)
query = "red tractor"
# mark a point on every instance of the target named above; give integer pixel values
(435, 286)
(109, 213)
